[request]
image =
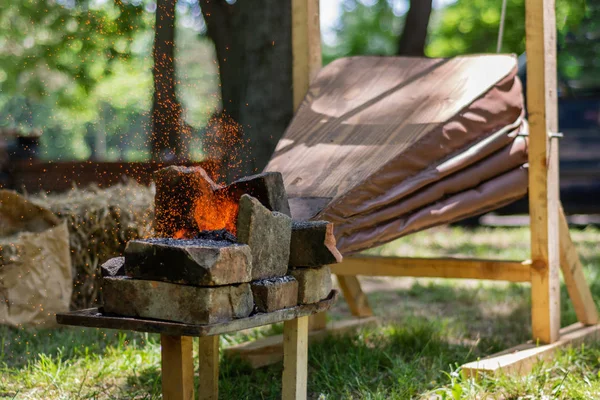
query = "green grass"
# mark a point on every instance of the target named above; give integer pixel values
(429, 328)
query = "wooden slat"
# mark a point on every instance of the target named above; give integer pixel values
(578, 288)
(269, 350)
(34, 176)
(512, 271)
(306, 46)
(177, 368)
(520, 360)
(295, 359)
(540, 25)
(355, 298)
(362, 112)
(208, 367)
(91, 317)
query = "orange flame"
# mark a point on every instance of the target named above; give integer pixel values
(216, 212)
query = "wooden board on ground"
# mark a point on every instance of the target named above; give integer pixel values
(521, 359)
(269, 350)
(91, 317)
(362, 112)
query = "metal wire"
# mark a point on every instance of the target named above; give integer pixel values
(501, 29)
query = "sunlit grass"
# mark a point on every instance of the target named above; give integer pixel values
(429, 328)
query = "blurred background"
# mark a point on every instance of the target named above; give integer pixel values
(78, 77)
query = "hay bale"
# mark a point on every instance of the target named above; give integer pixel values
(100, 222)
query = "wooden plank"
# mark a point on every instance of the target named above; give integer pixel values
(540, 25)
(34, 176)
(577, 286)
(361, 113)
(355, 298)
(306, 46)
(512, 271)
(521, 359)
(177, 367)
(269, 350)
(208, 367)
(91, 317)
(295, 359)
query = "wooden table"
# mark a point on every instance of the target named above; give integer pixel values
(176, 346)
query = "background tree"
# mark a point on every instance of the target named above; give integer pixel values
(169, 130)
(414, 33)
(253, 48)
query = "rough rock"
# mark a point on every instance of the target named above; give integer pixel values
(113, 267)
(313, 244)
(179, 303)
(268, 235)
(199, 262)
(314, 284)
(177, 187)
(266, 187)
(275, 293)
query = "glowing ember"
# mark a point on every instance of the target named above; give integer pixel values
(215, 212)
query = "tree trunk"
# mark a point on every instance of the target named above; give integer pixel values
(168, 127)
(253, 46)
(414, 34)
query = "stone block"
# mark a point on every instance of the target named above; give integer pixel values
(177, 189)
(313, 244)
(113, 267)
(268, 235)
(266, 187)
(275, 293)
(200, 262)
(173, 302)
(314, 284)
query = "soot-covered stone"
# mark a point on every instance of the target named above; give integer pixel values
(267, 188)
(275, 293)
(179, 303)
(113, 267)
(177, 189)
(313, 244)
(200, 262)
(268, 235)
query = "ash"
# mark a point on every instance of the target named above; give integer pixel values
(307, 224)
(275, 280)
(196, 242)
(221, 234)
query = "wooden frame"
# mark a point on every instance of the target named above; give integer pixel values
(551, 245)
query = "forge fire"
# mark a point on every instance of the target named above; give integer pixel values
(220, 252)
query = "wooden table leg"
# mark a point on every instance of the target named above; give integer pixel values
(177, 367)
(208, 367)
(295, 359)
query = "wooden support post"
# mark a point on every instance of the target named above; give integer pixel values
(355, 297)
(177, 367)
(295, 359)
(540, 23)
(578, 288)
(317, 322)
(306, 46)
(208, 367)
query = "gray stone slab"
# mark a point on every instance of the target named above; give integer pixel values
(313, 244)
(268, 235)
(275, 293)
(314, 284)
(113, 267)
(172, 302)
(267, 188)
(197, 262)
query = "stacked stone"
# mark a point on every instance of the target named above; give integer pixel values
(210, 280)
(312, 249)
